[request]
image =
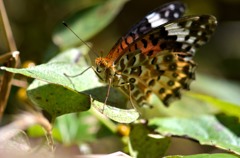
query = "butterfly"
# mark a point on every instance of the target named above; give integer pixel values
(155, 56)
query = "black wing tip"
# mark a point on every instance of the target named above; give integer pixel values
(178, 4)
(211, 18)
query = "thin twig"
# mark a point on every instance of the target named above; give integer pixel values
(7, 28)
(5, 85)
(22, 122)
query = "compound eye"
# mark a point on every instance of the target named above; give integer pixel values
(98, 70)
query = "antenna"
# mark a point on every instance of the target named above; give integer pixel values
(92, 50)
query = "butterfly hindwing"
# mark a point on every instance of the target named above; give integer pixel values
(163, 74)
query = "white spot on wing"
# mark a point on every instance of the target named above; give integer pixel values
(155, 19)
(188, 24)
(158, 22)
(176, 15)
(187, 58)
(150, 15)
(203, 26)
(184, 46)
(181, 9)
(193, 50)
(181, 38)
(172, 7)
(179, 31)
(172, 26)
(191, 39)
(199, 33)
(167, 13)
(201, 42)
(152, 18)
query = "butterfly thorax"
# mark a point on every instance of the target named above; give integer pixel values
(106, 71)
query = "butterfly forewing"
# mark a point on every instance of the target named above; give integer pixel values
(187, 33)
(183, 35)
(155, 18)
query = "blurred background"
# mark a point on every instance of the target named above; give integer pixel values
(34, 23)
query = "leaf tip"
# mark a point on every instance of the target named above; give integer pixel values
(3, 68)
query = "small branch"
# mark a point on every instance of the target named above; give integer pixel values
(6, 82)
(22, 122)
(11, 61)
(7, 28)
(5, 57)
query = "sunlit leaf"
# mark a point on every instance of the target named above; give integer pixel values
(60, 94)
(205, 129)
(205, 156)
(119, 115)
(217, 87)
(223, 106)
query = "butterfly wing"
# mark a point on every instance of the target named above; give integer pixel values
(160, 62)
(163, 74)
(155, 18)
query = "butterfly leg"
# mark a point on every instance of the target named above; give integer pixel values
(72, 76)
(79, 73)
(130, 96)
(127, 90)
(107, 95)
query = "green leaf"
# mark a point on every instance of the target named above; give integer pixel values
(54, 92)
(186, 107)
(75, 129)
(144, 144)
(57, 100)
(223, 106)
(226, 99)
(231, 122)
(60, 94)
(117, 114)
(71, 6)
(204, 156)
(205, 129)
(87, 23)
(38, 131)
(218, 87)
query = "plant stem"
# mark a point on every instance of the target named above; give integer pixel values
(7, 28)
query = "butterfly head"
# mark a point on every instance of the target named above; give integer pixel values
(104, 68)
